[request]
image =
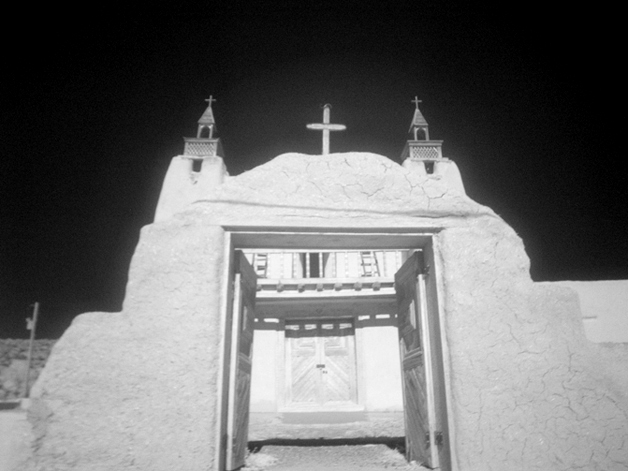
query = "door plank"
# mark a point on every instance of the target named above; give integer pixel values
(414, 343)
(241, 361)
(321, 363)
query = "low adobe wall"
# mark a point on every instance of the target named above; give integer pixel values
(604, 306)
(137, 390)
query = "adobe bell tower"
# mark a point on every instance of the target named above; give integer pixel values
(199, 170)
(421, 148)
(425, 155)
(204, 144)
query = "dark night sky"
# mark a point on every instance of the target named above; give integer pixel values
(95, 109)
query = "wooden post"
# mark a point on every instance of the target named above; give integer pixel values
(321, 268)
(31, 323)
(307, 264)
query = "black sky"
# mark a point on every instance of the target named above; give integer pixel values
(527, 105)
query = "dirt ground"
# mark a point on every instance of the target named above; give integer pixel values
(14, 438)
(376, 457)
(374, 444)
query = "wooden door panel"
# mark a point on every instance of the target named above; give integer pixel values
(337, 379)
(241, 361)
(320, 363)
(304, 378)
(415, 363)
(243, 392)
(339, 373)
(416, 398)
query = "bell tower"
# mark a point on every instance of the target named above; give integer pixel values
(204, 144)
(197, 172)
(425, 156)
(421, 149)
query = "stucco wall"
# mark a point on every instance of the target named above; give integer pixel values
(381, 369)
(525, 389)
(604, 306)
(264, 375)
(137, 390)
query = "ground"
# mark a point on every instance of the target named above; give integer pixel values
(319, 458)
(366, 445)
(14, 436)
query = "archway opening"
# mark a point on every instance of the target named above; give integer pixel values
(327, 341)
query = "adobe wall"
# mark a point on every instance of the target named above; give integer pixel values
(526, 391)
(604, 306)
(136, 390)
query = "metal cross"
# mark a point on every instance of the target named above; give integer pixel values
(416, 101)
(210, 99)
(325, 126)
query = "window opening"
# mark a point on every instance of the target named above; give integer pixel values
(197, 164)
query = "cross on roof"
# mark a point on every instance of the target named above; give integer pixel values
(326, 127)
(210, 100)
(416, 101)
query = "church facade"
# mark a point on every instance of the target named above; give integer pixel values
(323, 286)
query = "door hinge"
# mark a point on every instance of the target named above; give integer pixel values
(438, 438)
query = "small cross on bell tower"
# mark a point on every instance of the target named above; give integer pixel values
(204, 144)
(207, 120)
(418, 122)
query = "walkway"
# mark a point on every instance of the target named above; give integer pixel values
(323, 458)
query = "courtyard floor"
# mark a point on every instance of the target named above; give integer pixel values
(373, 444)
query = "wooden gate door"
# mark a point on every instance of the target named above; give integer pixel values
(320, 364)
(421, 364)
(241, 356)
(338, 356)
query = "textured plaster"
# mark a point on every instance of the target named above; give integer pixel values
(528, 392)
(604, 306)
(351, 189)
(136, 390)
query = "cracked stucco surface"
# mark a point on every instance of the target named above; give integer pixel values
(528, 390)
(348, 188)
(136, 390)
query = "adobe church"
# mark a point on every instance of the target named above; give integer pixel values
(326, 288)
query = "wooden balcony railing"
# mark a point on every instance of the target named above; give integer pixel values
(331, 264)
(331, 272)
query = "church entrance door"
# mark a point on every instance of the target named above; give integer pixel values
(320, 364)
(421, 363)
